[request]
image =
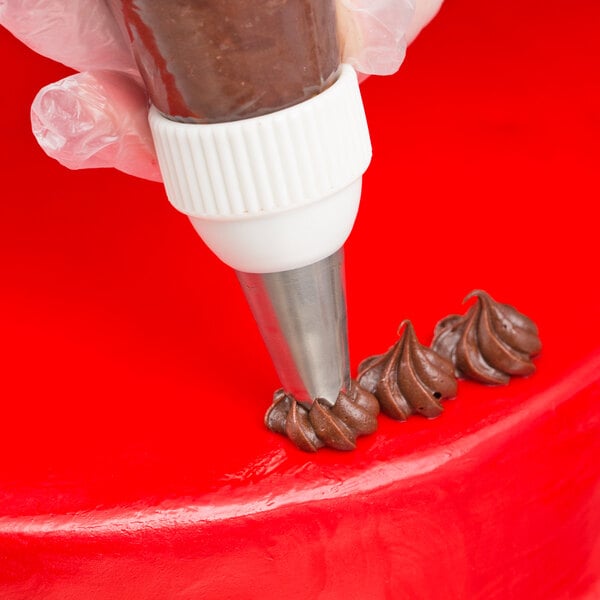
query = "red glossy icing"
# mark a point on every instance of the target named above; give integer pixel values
(116, 323)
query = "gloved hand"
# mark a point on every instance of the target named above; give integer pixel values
(98, 117)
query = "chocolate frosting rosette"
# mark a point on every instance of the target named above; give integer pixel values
(409, 378)
(491, 342)
(354, 414)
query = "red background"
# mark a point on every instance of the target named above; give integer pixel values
(131, 371)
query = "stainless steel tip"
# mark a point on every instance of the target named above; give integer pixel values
(301, 315)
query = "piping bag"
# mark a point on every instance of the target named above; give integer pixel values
(262, 141)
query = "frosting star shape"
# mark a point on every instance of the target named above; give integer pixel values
(490, 343)
(409, 378)
(353, 414)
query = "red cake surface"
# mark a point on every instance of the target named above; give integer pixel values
(134, 382)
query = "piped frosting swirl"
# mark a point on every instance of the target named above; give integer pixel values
(409, 378)
(491, 342)
(354, 414)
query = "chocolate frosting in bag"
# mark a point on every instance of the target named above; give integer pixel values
(409, 378)
(354, 414)
(491, 342)
(213, 61)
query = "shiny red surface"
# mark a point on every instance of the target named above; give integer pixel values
(133, 381)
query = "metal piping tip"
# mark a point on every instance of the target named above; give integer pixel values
(301, 315)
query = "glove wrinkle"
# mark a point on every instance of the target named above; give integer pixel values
(98, 117)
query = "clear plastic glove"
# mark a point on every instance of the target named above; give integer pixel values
(98, 117)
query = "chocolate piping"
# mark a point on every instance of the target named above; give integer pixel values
(354, 414)
(410, 378)
(490, 343)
